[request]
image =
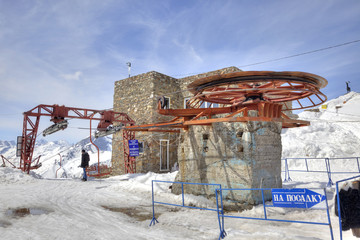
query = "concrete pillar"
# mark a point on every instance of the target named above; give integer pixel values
(235, 155)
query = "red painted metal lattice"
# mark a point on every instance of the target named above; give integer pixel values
(58, 115)
(232, 96)
(129, 161)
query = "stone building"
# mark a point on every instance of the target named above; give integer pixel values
(236, 155)
(138, 97)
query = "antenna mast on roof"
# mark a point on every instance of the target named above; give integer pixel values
(129, 67)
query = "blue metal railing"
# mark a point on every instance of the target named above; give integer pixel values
(222, 215)
(338, 201)
(327, 169)
(154, 220)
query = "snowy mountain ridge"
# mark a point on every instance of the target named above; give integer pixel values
(52, 152)
(5, 146)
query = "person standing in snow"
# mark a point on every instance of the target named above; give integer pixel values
(85, 158)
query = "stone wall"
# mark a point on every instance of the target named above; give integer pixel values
(137, 96)
(235, 155)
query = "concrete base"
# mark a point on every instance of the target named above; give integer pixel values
(235, 155)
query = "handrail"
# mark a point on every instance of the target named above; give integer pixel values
(220, 210)
(327, 165)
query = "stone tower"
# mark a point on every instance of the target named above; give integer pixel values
(235, 155)
(138, 97)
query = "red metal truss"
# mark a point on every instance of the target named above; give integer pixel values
(30, 128)
(58, 114)
(129, 161)
(232, 96)
(276, 87)
(4, 160)
(266, 112)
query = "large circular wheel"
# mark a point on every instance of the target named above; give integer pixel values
(276, 87)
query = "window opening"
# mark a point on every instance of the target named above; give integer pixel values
(186, 100)
(165, 102)
(141, 147)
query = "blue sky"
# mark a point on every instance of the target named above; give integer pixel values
(71, 52)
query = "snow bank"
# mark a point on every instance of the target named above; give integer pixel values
(11, 175)
(162, 190)
(142, 182)
(334, 130)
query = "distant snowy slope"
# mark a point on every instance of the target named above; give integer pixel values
(71, 157)
(50, 153)
(7, 147)
(334, 131)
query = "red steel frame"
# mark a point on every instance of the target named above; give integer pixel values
(129, 163)
(275, 87)
(58, 114)
(237, 93)
(5, 159)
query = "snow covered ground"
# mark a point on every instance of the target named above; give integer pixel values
(120, 208)
(41, 206)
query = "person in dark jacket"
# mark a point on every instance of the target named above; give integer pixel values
(349, 195)
(85, 158)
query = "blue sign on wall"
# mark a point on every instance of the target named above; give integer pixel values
(134, 148)
(296, 198)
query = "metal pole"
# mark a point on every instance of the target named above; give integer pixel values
(153, 220)
(182, 193)
(152, 197)
(98, 151)
(218, 211)
(328, 169)
(285, 169)
(223, 234)
(263, 199)
(328, 215)
(288, 171)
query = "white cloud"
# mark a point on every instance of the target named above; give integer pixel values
(71, 52)
(74, 76)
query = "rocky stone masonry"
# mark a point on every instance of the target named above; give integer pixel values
(236, 155)
(137, 96)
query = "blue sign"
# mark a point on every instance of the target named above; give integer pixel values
(133, 148)
(296, 198)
